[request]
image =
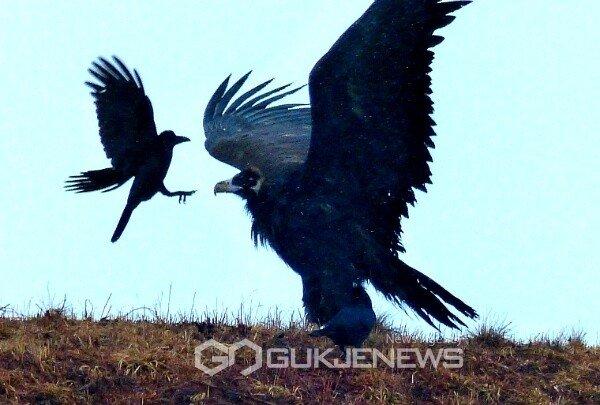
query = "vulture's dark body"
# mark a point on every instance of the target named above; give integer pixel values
(318, 239)
(337, 178)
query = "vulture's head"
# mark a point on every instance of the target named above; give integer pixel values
(246, 183)
(170, 139)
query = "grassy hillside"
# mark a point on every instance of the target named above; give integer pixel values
(57, 359)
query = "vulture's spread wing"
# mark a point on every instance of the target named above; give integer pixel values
(249, 131)
(371, 113)
(125, 115)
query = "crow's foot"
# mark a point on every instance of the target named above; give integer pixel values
(183, 195)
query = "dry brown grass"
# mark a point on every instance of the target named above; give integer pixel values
(59, 359)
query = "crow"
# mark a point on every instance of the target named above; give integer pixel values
(128, 134)
(359, 313)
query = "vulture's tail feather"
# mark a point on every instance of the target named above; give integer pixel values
(96, 180)
(405, 285)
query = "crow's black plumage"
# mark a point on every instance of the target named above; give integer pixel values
(128, 134)
(331, 207)
(358, 313)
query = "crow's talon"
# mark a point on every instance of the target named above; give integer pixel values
(183, 195)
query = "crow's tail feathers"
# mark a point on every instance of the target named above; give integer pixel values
(125, 216)
(405, 285)
(95, 180)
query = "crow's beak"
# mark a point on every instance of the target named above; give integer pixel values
(181, 139)
(226, 187)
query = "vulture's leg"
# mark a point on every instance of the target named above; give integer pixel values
(181, 194)
(311, 299)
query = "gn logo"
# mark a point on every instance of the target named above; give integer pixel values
(227, 358)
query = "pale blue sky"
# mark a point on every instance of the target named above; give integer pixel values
(511, 223)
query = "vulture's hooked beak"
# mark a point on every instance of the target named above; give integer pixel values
(181, 139)
(226, 187)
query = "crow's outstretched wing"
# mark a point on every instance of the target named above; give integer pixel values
(125, 115)
(371, 125)
(250, 131)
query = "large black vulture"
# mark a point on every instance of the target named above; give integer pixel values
(326, 186)
(128, 134)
